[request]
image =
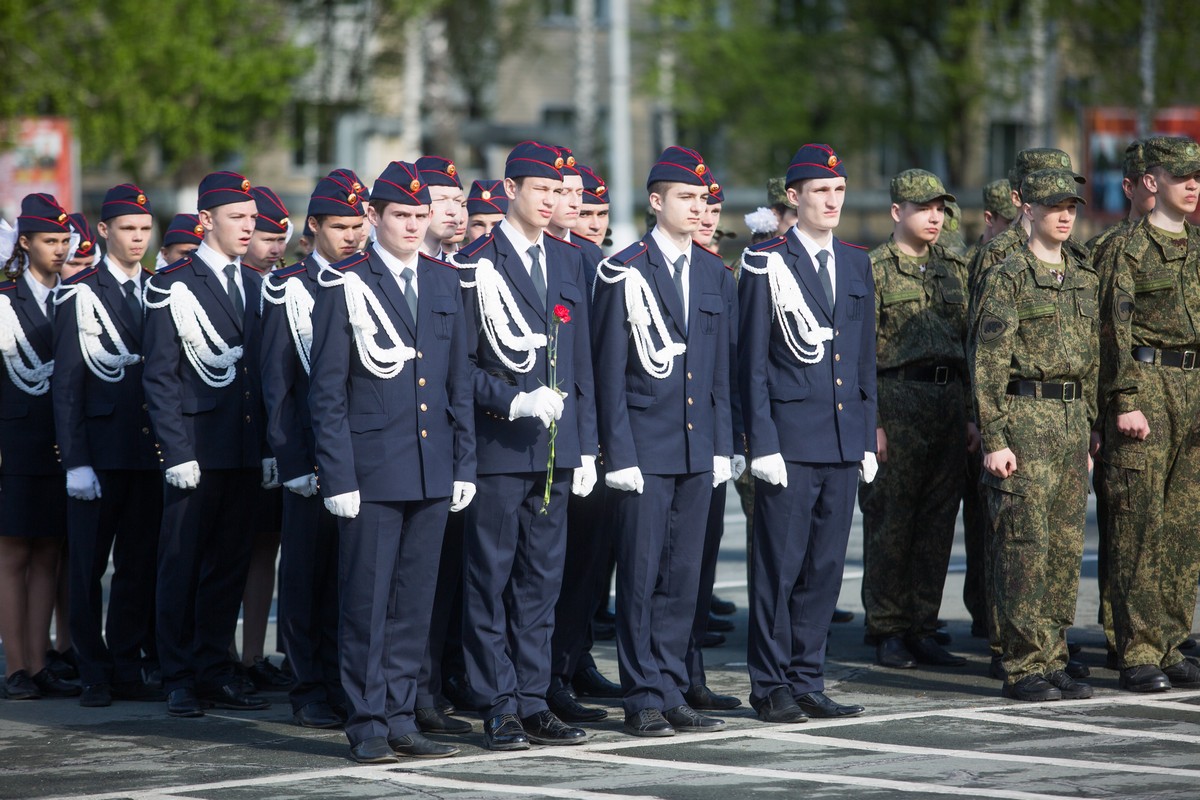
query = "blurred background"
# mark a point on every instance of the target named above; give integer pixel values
(160, 92)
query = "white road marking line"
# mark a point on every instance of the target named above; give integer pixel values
(414, 779)
(1100, 730)
(1005, 757)
(809, 777)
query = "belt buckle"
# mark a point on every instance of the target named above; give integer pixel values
(941, 375)
(1189, 359)
(1071, 386)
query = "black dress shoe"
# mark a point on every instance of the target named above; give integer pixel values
(590, 683)
(317, 714)
(96, 695)
(431, 720)
(841, 615)
(184, 703)
(712, 639)
(891, 652)
(458, 692)
(50, 685)
(702, 698)
(941, 637)
(65, 664)
(231, 696)
(1070, 688)
(545, 728)
(568, 709)
(1032, 689)
(780, 706)
(504, 732)
(685, 720)
(374, 750)
(267, 677)
(19, 686)
(928, 651)
(1144, 678)
(718, 625)
(138, 692)
(1077, 669)
(816, 704)
(722, 608)
(647, 722)
(415, 745)
(1184, 675)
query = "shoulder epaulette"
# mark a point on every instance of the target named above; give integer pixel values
(564, 241)
(78, 276)
(769, 244)
(437, 261)
(183, 262)
(147, 272)
(705, 249)
(299, 268)
(352, 261)
(477, 245)
(729, 267)
(862, 247)
(629, 253)
(8, 285)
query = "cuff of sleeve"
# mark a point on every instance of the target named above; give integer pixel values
(994, 441)
(1124, 402)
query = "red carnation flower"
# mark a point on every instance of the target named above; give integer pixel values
(563, 313)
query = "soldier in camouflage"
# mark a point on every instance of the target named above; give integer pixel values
(922, 429)
(1151, 390)
(951, 237)
(999, 211)
(1034, 363)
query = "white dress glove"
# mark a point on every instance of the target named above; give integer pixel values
(737, 465)
(184, 476)
(626, 480)
(305, 485)
(868, 467)
(722, 470)
(584, 479)
(772, 469)
(543, 403)
(462, 495)
(344, 505)
(82, 483)
(270, 472)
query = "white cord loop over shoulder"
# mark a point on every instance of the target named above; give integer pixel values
(297, 302)
(643, 311)
(363, 309)
(807, 338)
(94, 323)
(498, 311)
(212, 358)
(28, 372)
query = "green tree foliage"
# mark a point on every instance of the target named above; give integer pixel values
(188, 82)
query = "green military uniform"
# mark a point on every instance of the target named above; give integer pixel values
(952, 238)
(1151, 310)
(910, 508)
(1035, 363)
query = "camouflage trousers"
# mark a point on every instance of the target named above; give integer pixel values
(974, 515)
(1153, 492)
(1037, 516)
(910, 509)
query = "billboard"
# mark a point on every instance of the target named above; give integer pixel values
(39, 155)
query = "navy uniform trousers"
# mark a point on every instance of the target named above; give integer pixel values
(443, 655)
(714, 529)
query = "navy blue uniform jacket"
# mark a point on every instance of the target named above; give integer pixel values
(27, 421)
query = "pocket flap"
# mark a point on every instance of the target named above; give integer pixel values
(197, 405)
(711, 304)
(856, 289)
(570, 292)
(635, 400)
(1126, 456)
(360, 423)
(443, 305)
(98, 409)
(1014, 484)
(787, 391)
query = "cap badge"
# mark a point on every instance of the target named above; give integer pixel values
(601, 189)
(701, 169)
(570, 162)
(352, 198)
(486, 195)
(832, 162)
(356, 186)
(713, 188)
(1066, 162)
(451, 170)
(415, 185)
(1061, 183)
(931, 182)
(245, 185)
(62, 218)
(141, 199)
(85, 246)
(198, 230)
(558, 163)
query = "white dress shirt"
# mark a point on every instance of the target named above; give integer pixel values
(122, 277)
(217, 263)
(40, 292)
(397, 267)
(813, 247)
(672, 254)
(522, 245)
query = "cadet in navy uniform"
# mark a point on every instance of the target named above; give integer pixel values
(205, 405)
(486, 206)
(390, 397)
(33, 505)
(566, 214)
(806, 360)
(108, 449)
(661, 344)
(513, 552)
(308, 598)
(181, 238)
(448, 211)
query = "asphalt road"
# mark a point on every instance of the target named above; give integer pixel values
(930, 732)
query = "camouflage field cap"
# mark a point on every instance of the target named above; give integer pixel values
(1134, 163)
(997, 198)
(918, 186)
(1049, 187)
(777, 193)
(1031, 159)
(1178, 155)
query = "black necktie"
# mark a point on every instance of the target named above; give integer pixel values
(823, 275)
(50, 307)
(131, 300)
(410, 291)
(677, 275)
(235, 294)
(535, 272)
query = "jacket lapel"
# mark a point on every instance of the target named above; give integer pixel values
(806, 272)
(112, 295)
(216, 289)
(664, 284)
(37, 327)
(513, 269)
(391, 290)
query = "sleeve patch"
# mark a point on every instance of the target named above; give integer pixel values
(991, 328)
(1124, 306)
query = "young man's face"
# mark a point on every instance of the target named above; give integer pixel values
(709, 220)
(128, 237)
(1051, 223)
(566, 213)
(532, 200)
(337, 237)
(400, 228)
(229, 228)
(593, 222)
(266, 249)
(787, 219)
(447, 213)
(818, 203)
(174, 252)
(1171, 193)
(679, 208)
(47, 251)
(919, 222)
(479, 225)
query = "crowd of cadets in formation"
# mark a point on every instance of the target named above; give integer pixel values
(458, 416)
